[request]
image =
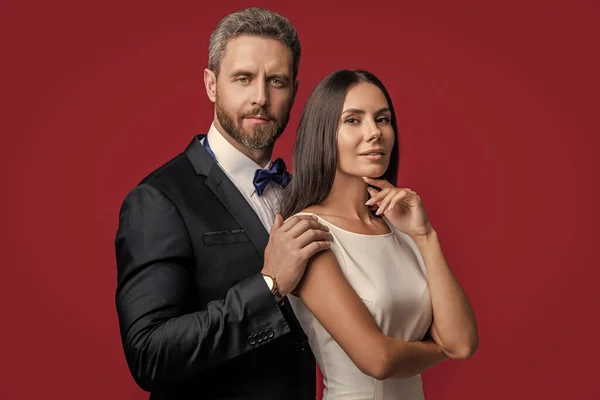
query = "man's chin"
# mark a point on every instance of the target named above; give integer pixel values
(252, 140)
(259, 143)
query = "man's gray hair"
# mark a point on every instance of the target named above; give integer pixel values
(253, 22)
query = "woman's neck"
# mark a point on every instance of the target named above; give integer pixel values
(347, 199)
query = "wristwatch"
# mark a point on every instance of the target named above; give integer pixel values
(272, 285)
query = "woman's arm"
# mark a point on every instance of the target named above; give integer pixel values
(329, 296)
(454, 328)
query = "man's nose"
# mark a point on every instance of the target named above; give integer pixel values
(261, 94)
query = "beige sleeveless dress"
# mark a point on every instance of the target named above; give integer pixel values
(388, 273)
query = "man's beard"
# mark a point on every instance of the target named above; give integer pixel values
(260, 136)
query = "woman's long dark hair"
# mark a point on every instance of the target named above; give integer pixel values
(315, 150)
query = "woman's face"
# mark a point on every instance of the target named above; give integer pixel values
(365, 136)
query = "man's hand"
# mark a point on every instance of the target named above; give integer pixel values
(290, 246)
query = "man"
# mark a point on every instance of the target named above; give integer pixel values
(202, 285)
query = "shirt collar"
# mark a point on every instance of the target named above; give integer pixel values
(239, 167)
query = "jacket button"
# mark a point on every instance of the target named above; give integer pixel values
(251, 340)
(270, 334)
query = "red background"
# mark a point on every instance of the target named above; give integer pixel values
(498, 111)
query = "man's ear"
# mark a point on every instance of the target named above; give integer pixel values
(210, 83)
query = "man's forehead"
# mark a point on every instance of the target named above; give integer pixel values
(255, 53)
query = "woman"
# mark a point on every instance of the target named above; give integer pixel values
(381, 305)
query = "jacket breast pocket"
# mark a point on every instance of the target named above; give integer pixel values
(220, 238)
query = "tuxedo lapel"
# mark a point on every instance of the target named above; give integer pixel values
(237, 206)
(228, 194)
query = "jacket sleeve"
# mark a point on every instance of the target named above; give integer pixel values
(164, 341)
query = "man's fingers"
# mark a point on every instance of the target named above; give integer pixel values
(312, 235)
(293, 221)
(313, 248)
(277, 223)
(305, 225)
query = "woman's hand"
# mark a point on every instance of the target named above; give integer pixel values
(402, 207)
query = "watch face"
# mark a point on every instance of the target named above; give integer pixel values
(269, 281)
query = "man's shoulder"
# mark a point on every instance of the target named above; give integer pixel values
(176, 169)
(174, 180)
(179, 170)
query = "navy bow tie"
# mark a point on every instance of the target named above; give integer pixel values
(277, 173)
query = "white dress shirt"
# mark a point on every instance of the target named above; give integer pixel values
(240, 169)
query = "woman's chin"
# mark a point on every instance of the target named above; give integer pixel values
(373, 173)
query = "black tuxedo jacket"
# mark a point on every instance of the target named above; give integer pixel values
(196, 317)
